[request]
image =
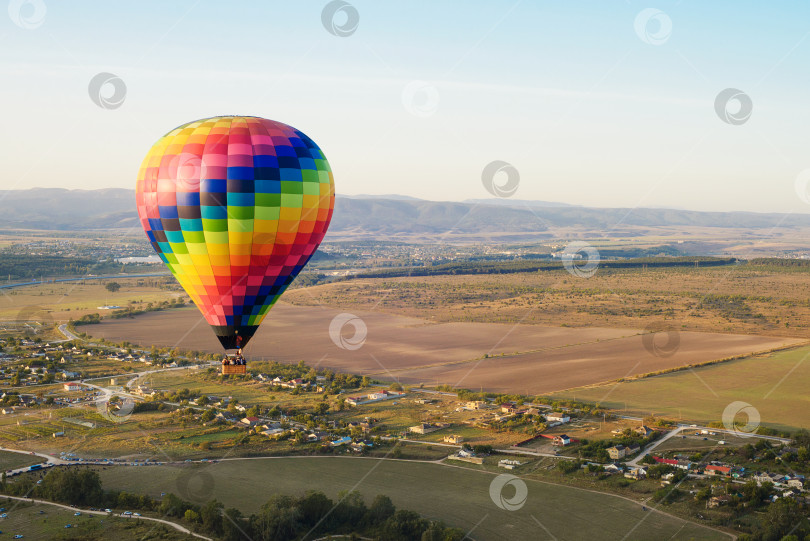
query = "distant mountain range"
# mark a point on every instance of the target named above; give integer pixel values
(391, 216)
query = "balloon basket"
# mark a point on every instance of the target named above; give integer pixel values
(234, 369)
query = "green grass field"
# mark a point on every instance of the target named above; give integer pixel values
(776, 385)
(48, 522)
(12, 461)
(459, 496)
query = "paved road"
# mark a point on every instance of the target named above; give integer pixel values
(68, 335)
(174, 525)
(676, 432)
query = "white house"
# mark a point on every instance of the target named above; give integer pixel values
(556, 417)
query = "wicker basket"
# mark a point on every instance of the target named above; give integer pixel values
(234, 369)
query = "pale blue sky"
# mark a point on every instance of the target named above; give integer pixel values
(567, 92)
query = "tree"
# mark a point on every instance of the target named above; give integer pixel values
(396, 386)
(233, 528)
(648, 459)
(192, 516)
(208, 415)
(322, 408)
(781, 517)
(211, 516)
(314, 506)
(381, 509)
(112, 287)
(77, 487)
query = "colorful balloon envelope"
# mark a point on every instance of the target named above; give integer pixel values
(235, 206)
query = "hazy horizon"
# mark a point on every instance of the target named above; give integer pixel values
(590, 108)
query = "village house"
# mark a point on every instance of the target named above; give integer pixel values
(509, 464)
(453, 438)
(72, 386)
(466, 456)
(475, 405)
(635, 473)
(249, 422)
(632, 449)
(766, 477)
(555, 417)
(226, 416)
(143, 390)
(342, 441)
(373, 397)
(427, 428)
(617, 452)
(717, 501)
(508, 407)
(681, 464)
(711, 469)
(561, 441)
(796, 482)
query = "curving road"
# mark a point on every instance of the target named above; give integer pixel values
(174, 525)
(672, 433)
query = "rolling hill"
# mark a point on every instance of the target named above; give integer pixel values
(387, 217)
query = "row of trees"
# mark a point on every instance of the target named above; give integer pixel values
(515, 266)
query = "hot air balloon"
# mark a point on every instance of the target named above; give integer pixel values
(235, 206)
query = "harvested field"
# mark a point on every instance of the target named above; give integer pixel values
(521, 358)
(775, 385)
